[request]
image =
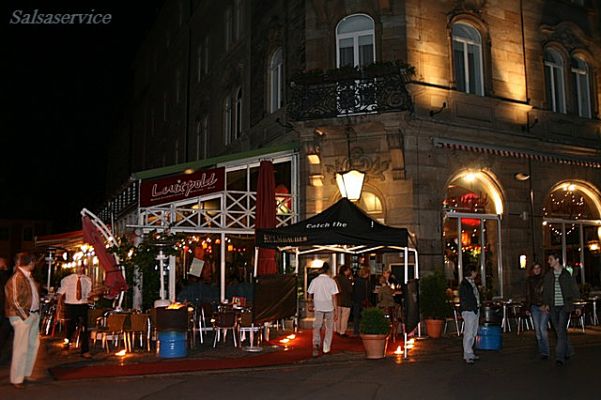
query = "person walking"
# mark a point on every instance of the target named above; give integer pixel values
(534, 306)
(23, 311)
(344, 299)
(559, 292)
(470, 311)
(322, 291)
(361, 294)
(75, 290)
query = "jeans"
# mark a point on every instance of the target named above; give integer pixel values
(470, 330)
(559, 320)
(541, 319)
(320, 317)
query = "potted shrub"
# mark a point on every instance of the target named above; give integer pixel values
(374, 329)
(434, 304)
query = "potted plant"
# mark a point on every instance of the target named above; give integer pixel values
(374, 329)
(433, 302)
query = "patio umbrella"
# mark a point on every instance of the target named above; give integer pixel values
(265, 215)
(114, 280)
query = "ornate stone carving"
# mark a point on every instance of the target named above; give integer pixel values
(373, 167)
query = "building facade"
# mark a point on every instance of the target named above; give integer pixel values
(475, 122)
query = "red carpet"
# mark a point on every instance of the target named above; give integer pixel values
(298, 349)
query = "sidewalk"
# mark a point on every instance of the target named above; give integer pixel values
(54, 363)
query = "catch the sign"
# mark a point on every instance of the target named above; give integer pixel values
(180, 187)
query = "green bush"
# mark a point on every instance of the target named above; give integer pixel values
(433, 297)
(374, 322)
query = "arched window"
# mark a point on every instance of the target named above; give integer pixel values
(238, 115)
(572, 228)
(554, 81)
(227, 120)
(582, 94)
(355, 41)
(472, 229)
(467, 59)
(276, 79)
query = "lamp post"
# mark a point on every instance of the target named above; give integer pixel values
(350, 182)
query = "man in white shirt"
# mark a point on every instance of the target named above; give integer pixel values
(322, 291)
(75, 290)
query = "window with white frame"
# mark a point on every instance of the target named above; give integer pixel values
(582, 94)
(228, 28)
(355, 41)
(227, 120)
(467, 59)
(554, 81)
(276, 79)
(238, 114)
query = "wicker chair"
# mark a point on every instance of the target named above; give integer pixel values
(140, 326)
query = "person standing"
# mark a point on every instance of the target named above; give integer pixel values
(344, 299)
(23, 311)
(75, 290)
(5, 327)
(361, 294)
(559, 292)
(534, 304)
(322, 292)
(470, 311)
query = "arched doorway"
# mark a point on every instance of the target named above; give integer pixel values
(472, 211)
(572, 228)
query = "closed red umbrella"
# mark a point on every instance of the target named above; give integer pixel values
(265, 215)
(114, 280)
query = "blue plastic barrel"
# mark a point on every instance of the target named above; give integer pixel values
(489, 338)
(172, 344)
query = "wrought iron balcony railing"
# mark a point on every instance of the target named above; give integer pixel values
(327, 99)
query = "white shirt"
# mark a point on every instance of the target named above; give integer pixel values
(323, 288)
(69, 289)
(35, 297)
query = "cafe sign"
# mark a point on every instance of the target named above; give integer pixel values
(181, 187)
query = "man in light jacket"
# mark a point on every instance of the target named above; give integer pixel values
(23, 311)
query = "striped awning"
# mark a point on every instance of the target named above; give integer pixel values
(590, 162)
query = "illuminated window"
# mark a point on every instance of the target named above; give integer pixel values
(554, 81)
(355, 41)
(582, 95)
(467, 59)
(370, 203)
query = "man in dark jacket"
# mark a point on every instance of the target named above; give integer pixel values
(559, 292)
(470, 311)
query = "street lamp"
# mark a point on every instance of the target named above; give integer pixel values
(350, 182)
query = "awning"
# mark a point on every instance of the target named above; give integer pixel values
(504, 151)
(62, 240)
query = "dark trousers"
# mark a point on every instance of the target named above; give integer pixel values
(357, 309)
(78, 314)
(5, 330)
(559, 320)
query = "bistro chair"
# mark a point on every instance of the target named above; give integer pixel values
(578, 314)
(115, 327)
(247, 325)
(457, 319)
(205, 320)
(224, 321)
(140, 327)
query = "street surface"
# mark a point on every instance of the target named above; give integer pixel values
(513, 373)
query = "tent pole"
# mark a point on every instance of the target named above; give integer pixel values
(256, 263)
(172, 279)
(222, 269)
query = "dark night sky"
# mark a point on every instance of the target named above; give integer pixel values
(63, 87)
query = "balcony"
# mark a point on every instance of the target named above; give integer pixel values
(346, 93)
